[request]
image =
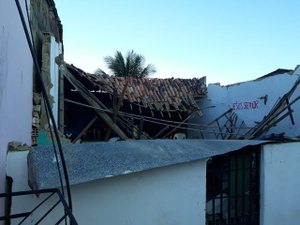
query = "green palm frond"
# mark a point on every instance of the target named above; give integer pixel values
(100, 72)
(132, 65)
(150, 69)
(116, 64)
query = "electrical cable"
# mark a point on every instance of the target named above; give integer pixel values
(149, 119)
(48, 118)
(130, 115)
(100, 88)
(30, 27)
(56, 158)
(46, 109)
(205, 126)
(44, 93)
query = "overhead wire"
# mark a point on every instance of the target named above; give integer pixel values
(47, 114)
(46, 99)
(148, 118)
(46, 109)
(151, 119)
(56, 158)
(203, 128)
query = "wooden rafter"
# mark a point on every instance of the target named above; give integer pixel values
(93, 101)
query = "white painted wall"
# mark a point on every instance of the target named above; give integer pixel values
(56, 50)
(172, 195)
(245, 99)
(280, 184)
(166, 196)
(15, 83)
(17, 169)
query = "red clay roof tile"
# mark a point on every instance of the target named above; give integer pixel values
(177, 93)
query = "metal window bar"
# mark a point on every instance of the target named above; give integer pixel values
(236, 201)
(45, 202)
(221, 194)
(257, 177)
(213, 200)
(243, 188)
(236, 190)
(229, 197)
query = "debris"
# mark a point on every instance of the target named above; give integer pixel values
(275, 115)
(17, 146)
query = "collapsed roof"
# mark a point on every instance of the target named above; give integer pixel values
(153, 93)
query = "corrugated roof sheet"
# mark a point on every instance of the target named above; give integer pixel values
(160, 94)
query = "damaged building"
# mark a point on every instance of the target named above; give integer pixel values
(100, 107)
(254, 109)
(139, 179)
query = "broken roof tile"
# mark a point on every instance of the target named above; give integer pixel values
(179, 94)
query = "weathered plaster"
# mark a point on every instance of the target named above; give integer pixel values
(50, 74)
(251, 101)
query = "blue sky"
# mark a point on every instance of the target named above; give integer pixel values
(227, 41)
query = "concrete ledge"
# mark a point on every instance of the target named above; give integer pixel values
(88, 162)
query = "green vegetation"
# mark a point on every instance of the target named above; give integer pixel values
(132, 65)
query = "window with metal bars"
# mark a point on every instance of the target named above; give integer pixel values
(232, 187)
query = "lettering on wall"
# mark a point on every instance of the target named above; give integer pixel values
(245, 105)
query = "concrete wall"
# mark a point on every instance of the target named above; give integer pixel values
(15, 83)
(16, 69)
(172, 195)
(56, 50)
(50, 74)
(280, 184)
(17, 169)
(247, 101)
(166, 196)
(44, 19)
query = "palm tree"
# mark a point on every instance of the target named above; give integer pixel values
(132, 65)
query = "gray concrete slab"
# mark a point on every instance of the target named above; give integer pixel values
(88, 162)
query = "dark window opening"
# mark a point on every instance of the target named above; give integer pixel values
(232, 196)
